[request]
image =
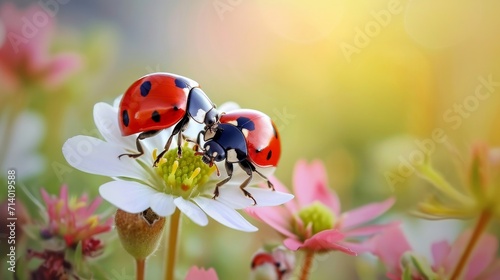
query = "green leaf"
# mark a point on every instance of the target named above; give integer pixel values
(76, 256)
(423, 266)
(407, 274)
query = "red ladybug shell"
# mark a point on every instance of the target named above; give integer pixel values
(154, 102)
(262, 138)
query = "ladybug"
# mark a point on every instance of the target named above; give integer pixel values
(263, 259)
(161, 100)
(244, 136)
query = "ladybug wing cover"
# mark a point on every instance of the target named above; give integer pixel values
(154, 102)
(263, 142)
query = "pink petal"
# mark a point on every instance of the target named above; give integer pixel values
(492, 272)
(33, 52)
(327, 240)
(358, 248)
(291, 205)
(439, 252)
(46, 197)
(276, 217)
(369, 230)
(310, 184)
(293, 244)
(389, 246)
(365, 213)
(93, 206)
(196, 273)
(63, 194)
(61, 67)
(481, 257)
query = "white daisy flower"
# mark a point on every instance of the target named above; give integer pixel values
(185, 183)
(19, 151)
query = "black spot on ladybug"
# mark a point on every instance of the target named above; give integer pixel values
(245, 123)
(269, 155)
(155, 116)
(176, 108)
(181, 83)
(125, 118)
(145, 88)
(258, 150)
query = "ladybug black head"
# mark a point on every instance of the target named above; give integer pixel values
(213, 152)
(211, 118)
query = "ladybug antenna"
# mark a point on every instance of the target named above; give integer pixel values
(216, 168)
(212, 163)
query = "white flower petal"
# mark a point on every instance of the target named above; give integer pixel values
(116, 102)
(18, 149)
(129, 196)
(95, 156)
(224, 214)
(193, 130)
(34, 164)
(232, 196)
(162, 204)
(158, 142)
(228, 106)
(192, 211)
(106, 121)
(239, 175)
(26, 121)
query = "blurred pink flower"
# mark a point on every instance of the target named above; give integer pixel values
(276, 264)
(392, 244)
(54, 266)
(74, 220)
(196, 273)
(24, 49)
(314, 222)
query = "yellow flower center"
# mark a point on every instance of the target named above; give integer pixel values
(316, 216)
(183, 176)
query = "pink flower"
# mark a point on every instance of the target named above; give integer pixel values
(74, 220)
(54, 266)
(24, 51)
(314, 222)
(196, 273)
(391, 245)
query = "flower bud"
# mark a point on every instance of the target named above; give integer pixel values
(139, 233)
(275, 264)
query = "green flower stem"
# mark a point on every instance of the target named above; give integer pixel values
(481, 225)
(173, 236)
(140, 269)
(307, 265)
(442, 185)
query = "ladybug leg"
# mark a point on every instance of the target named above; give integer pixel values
(248, 168)
(142, 136)
(245, 192)
(181, 126)
(229, 170)
(269, 184)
